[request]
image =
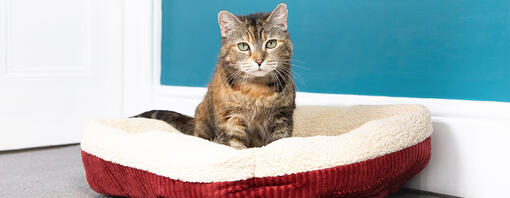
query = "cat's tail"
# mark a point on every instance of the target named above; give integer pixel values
(183, 123)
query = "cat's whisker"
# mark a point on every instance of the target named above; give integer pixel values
(293, 74)
(293, 62)
(295, 65)
(278, 83)
(299, 61)
(234, 76)
(237, 75)
(285, 78)
(288, 78)
(293, 59)
(300, 67)
(298, 78)
(275, 85)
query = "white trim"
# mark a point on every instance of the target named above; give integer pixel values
(3, 37)
(156, 42)
(137, 55)
(439, 107)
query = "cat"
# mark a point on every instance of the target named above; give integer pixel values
(251, 97)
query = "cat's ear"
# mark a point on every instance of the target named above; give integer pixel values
(227, 22)
(278, 16)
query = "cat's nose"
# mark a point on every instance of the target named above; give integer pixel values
(259, 61)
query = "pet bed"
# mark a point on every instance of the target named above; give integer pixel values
(357, 151)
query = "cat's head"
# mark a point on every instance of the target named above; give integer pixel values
(255, 45)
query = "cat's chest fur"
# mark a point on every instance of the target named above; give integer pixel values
(253, 97)
(256, 105)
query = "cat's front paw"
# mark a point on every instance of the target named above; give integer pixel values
(236, 144)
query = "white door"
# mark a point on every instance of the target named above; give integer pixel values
(60, 66)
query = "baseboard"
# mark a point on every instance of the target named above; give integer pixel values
(466, 134)
(486, 110)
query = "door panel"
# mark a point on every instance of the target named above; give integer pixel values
(60, 66)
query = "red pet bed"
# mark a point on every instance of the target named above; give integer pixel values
(358, 151)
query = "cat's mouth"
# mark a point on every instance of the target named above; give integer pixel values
(256, 71)
(259, 72)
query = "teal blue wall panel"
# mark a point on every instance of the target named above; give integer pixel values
(453, 49)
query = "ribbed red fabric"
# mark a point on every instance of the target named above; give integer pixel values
(371, 178)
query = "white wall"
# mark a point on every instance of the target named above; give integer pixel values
(468, 145)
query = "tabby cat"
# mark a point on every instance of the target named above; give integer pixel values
(250, 99)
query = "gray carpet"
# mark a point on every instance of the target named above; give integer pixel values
(50, 172)
(58, 172)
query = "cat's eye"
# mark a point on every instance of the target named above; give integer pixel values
(271, 44)
(243, 46)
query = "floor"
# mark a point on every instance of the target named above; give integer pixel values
(57, 172)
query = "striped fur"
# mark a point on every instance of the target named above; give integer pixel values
(183, 123)
(250, 99)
